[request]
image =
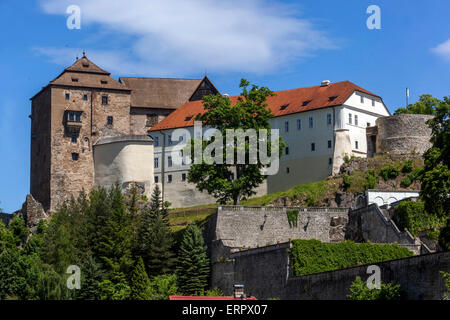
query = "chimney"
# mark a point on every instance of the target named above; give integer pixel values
(239, 291)
(325, 83)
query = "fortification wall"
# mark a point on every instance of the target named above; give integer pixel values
(403, 134)
(240, 227)
(266, 273)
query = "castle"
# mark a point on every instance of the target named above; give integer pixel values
(88, 129)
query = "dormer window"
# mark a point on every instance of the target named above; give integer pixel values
(188, 118)
(284, 106)
(332, 98)
(103, 81)
(305, 103)
(85, 65)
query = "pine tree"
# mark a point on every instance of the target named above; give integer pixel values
(115, 239)
(193, 263)
(92, 276)
(140, 283)
(155, 240)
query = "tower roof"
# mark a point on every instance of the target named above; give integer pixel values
(86, 66)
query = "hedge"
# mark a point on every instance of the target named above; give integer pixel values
(313, 256)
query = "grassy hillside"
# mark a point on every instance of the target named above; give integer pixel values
(383, 172)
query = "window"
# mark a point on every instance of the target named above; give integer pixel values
(169, 161)
(74, 79)
(85, 97)
(103, 81)
(74, 116)
(232, 176)
(356, 119)
(350, 118)
(156, 141)
(110, 120)
(299, 124)
(305, 103)
(156, 179)
(74, 156)
(67, 96)
(169, 138)
(311, 122)
(356, 144)
(329, 144)
(373, 102)
(368, 124)
(287, 170)
(86, 65)
(332, 98)
(330, 161)
(286, 126)
(156, 162)
(313, 146)
(74, 138)
(287, 150)
(328, 118)
(183, 177)
(104, 99)
(284, 106)
(169, 178)
(362, 99)
(183, 159)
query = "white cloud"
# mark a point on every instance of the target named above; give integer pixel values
(443, 50)
(174, 36)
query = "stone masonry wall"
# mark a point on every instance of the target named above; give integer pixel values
(241, 227)
(266, 273)
(403, 134)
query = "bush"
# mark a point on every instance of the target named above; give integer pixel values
(360, 291)
(346, 182)
(389, 172)
(444, 237)
(292, 216)
(406, 182)
(371, 179)
(412, 216)
(407, 166)
(313, 256)
(163, 286)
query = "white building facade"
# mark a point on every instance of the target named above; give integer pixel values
(317, 138)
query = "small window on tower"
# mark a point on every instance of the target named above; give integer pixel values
(169, 178)
(287, 150)
(110, 120)
(74, 156)
(74, 138)
(356, 145)
(156, 179)
(103, 81)
(67, 96)
(313, 146)
(329, 144)
(183, 177)
(104, 99)
(85, 97)
(86, 65)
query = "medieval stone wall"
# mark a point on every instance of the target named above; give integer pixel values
(267, 273)
(405, 133)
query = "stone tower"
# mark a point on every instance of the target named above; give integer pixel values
(80, 106)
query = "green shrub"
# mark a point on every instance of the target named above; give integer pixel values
(406, 182)
(371, 179)
(407, 166)
(346, 182)
(346, 158)
(433, 235)
(411, 215)
(292, 216)
(313, 256)
(360, 291)
(444, 237)
(389, 172)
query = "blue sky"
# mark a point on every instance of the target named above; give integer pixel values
(279, 44)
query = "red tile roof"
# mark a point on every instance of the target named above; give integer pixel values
(284, 102)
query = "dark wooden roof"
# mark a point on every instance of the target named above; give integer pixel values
(160, 93)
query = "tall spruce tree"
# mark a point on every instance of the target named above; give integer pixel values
(92, 276)
(155, 239)
(193, 264)
(140, 283)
